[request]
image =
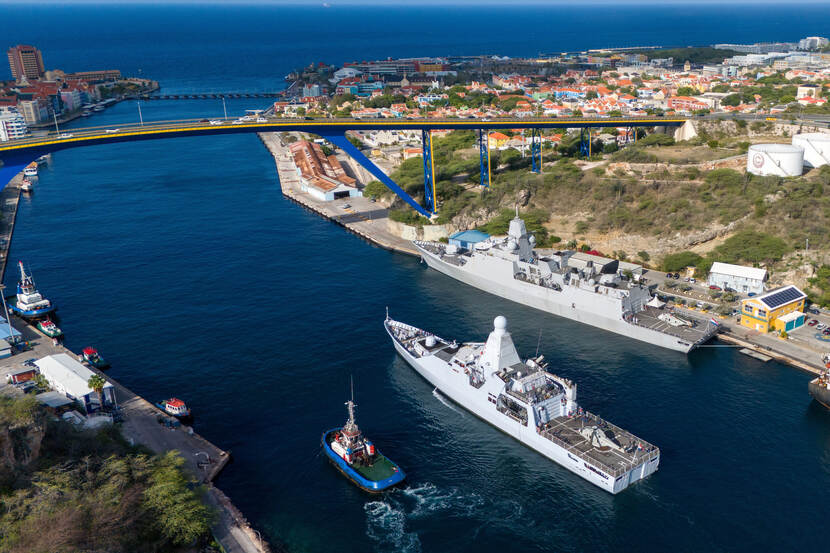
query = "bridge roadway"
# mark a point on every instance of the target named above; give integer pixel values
(16, 154)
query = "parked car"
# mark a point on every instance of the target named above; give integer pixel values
(813, 310)
(812, 323)
(821, 326)
(826, 332)
(668, 275)
(713, 287)
(752, 294)
(686, 279)
(692, 280)
(676, 275)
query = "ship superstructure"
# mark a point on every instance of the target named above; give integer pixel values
(601, 297)
(524, 400)
(29, 302)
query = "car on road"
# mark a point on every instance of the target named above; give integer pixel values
(111, 131)
(239, 122)
(216, 122)
(713, 287)
(203, 120)
(66, 135)
(812, 323)
(261, 120)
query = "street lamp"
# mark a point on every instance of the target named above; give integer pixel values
(12, 339)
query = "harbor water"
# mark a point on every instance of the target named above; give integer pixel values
(183, 264)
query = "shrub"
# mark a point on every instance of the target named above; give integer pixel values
(678, 261)
(644, 256)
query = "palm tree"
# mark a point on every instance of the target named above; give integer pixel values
(97, 382)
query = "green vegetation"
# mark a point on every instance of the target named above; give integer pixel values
(375, 189)
(820, 286)
(92, 491)
(680, 260)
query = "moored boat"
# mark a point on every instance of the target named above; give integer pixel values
(819, 388)
(26, 186)
(358, 458)
(30, 170)
(94, 358)
(28, 302)
(174, 407)
(48, 327)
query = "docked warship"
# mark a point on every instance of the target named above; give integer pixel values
(525, 401)
(819, 388)
(512, 269)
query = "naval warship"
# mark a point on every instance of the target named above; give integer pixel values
(512, 269)
(525, 401)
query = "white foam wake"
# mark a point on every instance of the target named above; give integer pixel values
(386, 526)
(440, 397)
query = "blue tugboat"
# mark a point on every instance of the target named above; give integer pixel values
(28, 302)
(358, 459)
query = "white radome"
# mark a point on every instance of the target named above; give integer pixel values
(500, 322)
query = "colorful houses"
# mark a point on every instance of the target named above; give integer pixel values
(781, 309)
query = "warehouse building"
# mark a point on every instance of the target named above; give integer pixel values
(70, 378)
(737, 277)
(779, 309)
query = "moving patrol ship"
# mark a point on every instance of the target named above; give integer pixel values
(526, 402)
(510, 268)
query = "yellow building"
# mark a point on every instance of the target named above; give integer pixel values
(496, 140)
(779, 309)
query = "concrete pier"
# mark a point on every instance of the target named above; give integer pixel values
(364, 218)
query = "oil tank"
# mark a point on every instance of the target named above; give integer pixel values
(816, 148)
(781, 160)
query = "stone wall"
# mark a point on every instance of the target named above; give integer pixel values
(411, 232)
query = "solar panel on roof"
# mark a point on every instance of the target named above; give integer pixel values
(784, 296)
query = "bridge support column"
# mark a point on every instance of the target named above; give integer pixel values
(343, 143)
(484, 156)
(585, 145)
(429, 171)
(536, 150)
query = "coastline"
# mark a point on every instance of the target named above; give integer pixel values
(141, 418)
(368, 222)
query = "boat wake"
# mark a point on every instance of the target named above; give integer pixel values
(440, 397)
(386, 526)
(389, 521)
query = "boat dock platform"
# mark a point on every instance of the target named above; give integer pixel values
(755, 355)
(364, 218)
(9, 200)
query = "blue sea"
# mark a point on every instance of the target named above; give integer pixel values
(182, 262)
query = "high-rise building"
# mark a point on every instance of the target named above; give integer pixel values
(25, 61)
(12, 125)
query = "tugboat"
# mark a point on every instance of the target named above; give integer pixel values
(819, 388)
(28, 302)
(94, 358)
(358, 458)
(174, 407)
(48, 327)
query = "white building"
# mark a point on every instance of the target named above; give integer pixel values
(12, 126)
(737, 277)
(67, 376)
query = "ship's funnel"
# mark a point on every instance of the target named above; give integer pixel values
(499, 351)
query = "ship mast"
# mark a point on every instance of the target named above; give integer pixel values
(350, 425)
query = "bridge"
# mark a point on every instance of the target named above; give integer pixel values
(16, 154)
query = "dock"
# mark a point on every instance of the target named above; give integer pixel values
(364, 218)
(755, 355)
(9, 200)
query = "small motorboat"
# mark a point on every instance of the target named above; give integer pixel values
(26, 186)
(174, 407)
(94, 358)
(48, 327)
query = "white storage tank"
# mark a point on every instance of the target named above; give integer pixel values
(816, 148)
(780, 160)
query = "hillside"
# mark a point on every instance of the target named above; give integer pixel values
(89, 491)
(648, 201)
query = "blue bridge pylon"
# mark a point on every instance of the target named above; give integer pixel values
(536, 150)
(585, 145)
(430, 196)
(484, 156)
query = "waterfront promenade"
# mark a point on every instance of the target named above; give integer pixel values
(364, 218)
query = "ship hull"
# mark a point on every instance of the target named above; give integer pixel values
(556, 303)
(819, 393)
(11, 302)
(370, 486)
(476, 402)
